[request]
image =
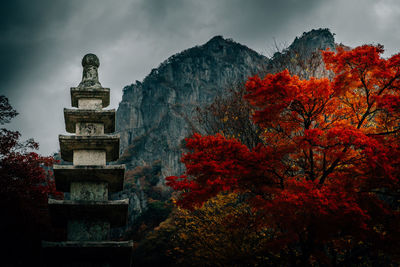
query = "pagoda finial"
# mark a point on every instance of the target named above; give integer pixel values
(90, 76)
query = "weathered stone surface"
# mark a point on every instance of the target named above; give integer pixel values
(89, 157)
(90, 76)
(89, 191)
(74, 116)
(90, 93)
(88, 230)
(113, 211)
(89, 103)
(89, 128)
(113, 175)
(77, 253)
(109, 143)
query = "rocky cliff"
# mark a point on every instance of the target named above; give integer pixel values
(155, 115)
(303, 56)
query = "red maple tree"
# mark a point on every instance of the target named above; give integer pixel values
(326, 179)
(25, 183)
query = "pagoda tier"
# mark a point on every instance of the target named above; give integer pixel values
(69, 144)
(113, 211)
(102, 94)
(101, 121)
(116, 253)
(113, 175)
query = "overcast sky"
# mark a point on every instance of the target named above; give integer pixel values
(42, 42)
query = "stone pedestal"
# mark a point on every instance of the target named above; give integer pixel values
(88, 215)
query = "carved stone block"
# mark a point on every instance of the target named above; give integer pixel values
(89, 128)
(90, 103)
(89, 157)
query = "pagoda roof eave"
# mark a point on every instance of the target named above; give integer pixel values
(109, 143)
(73, 116)
(66, 174)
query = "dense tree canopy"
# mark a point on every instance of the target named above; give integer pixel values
(25, 183)
(223, 232)
(325, 180)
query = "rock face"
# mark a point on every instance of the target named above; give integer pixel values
(156, 115)
(302, 57)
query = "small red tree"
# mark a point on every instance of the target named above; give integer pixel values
(327, 180)
(25, 183)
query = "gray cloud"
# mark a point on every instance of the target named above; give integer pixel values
(42, 42)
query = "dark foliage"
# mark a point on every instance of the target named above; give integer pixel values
(25, 183)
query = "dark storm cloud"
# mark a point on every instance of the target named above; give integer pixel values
(371, 21)
(258, 19)
(23, 28)
(42, 42)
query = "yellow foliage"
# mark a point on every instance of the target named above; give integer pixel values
(220, 233)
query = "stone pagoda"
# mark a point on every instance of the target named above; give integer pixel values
(88, 214)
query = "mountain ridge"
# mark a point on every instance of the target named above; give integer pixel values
(156, 114)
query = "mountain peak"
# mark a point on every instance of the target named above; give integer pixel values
(303, 57)
(313, 40)
(217, 39)
(156, 115)
(216, 49)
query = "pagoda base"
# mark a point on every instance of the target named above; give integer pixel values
(87, 253)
